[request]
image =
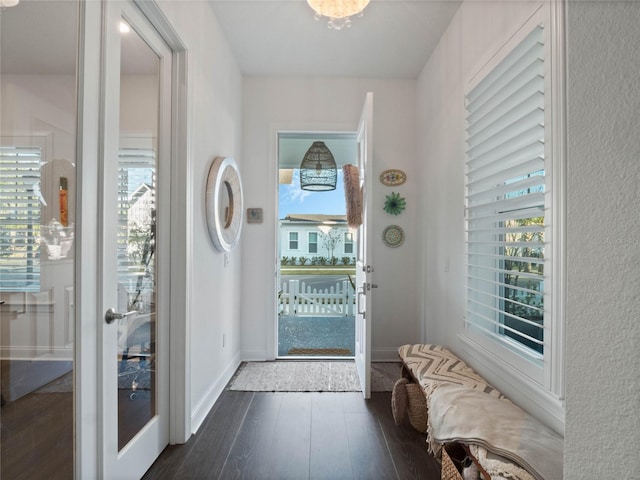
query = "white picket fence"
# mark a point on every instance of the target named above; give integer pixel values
(298, 299)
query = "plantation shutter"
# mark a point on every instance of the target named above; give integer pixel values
(136, 174)
(505, 200)
(19, 219)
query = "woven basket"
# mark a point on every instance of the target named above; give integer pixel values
(417, 407)
(449, 470)
(399, 401)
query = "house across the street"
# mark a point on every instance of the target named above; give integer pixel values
(316, 239)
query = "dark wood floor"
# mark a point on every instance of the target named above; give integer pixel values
(36, 434)
(331, 436)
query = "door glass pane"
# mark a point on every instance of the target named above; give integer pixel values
(137, 213)
(38, 49)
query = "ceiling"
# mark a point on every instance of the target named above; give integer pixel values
(293, 145)
(393, 39)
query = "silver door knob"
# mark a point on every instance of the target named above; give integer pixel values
(111, 315)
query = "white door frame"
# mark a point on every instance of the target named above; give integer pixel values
(271, 341)
(181, 229)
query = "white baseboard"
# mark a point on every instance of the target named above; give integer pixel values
(385, 355)
(254, 356)
(205, 405)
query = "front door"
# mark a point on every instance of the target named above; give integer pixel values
(134, 245)
(363, 260)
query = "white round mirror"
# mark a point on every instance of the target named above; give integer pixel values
(224, 203)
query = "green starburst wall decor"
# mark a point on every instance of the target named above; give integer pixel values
(394, 204)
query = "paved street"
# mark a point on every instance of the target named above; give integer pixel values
(316, 281)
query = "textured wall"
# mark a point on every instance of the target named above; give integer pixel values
(603, 292)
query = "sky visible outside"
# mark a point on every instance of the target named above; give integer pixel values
(293, 200)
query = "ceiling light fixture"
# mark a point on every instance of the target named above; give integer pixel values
(318, 169)
(338, 11)
(8, 3)
(124, 27)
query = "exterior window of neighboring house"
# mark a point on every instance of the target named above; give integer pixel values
(20, 211)
(293, 240)
(313, 242)
(510, 194)
(348, 242)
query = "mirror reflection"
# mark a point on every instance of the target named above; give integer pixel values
(37, 222)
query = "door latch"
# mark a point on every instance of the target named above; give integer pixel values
(111, 315)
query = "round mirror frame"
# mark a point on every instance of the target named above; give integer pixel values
(223, 183)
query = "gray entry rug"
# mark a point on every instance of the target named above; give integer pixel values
(317, 376)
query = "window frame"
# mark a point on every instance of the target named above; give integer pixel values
(292, 241)
(543, 382)
(348, 241)
(310, 243)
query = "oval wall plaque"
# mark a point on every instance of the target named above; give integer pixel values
(393, 177)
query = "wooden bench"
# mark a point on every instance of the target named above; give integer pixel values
(426, 368)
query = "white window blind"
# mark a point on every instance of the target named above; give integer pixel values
(506, 223)
(20, 219)
(136, 222)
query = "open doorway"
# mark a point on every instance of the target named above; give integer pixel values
(316, 253)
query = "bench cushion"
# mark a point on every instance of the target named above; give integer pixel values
(431, 365)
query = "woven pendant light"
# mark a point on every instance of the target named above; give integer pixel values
(318, 169)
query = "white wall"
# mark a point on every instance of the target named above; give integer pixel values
(215, 122)
(323, 104)
(603, 292)
(603, 266)
(476, 32)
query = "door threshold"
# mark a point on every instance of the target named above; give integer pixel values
(316, 357)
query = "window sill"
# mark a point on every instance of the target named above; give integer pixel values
(522, 390)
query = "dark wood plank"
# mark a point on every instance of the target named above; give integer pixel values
(331, 436)
(407, 446)
(251, 453)
(37, 437)
(369, 454)
(330, 458)
(169, 462)
(212, 443)
(353, 402)
(209, 452)
(291, 440)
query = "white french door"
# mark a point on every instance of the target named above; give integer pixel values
(364, 268)
(134, 243)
